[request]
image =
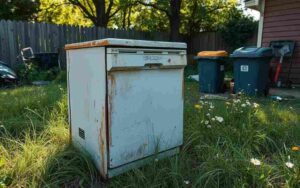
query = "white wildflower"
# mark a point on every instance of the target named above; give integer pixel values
(248, 103)
(208, 126)
(243, 105)
(213, 119)
(208, 114)
(211, 107)
(186, 182)
(206, 122)
(255, 161)
(289, 164)
(255, 105)
(156, 160)
(219, 119)
(236, 100)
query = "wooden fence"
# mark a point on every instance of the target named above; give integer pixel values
(213, 41)
(44, 37)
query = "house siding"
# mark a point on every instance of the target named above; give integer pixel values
(282, 22)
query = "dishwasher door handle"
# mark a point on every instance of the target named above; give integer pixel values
(152, 65)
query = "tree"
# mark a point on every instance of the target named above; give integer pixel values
(98, 11)
(126, 15)
(172, 10)
(238, 28)
(204, 15)
(18, 9)
(61, 12)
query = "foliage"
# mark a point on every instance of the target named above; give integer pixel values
(126, 15)
(18, 9)
(238, 28)
(195, 15)
(31, 72)
(35, 151)
(141, 18)
(34, 142)
(99, 12)
(61, 12)
(204, 15)
(61, 77)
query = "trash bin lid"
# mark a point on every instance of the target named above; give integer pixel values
(252, 52)
(220, 53)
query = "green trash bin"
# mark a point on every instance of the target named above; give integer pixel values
(251, 70)
(211, 70)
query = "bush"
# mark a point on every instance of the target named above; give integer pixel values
(31, 72)
(238, 29)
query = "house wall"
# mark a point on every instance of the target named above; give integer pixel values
(282, 22)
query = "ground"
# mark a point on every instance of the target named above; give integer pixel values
(244, 142)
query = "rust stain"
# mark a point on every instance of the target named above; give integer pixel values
(90, 44)
(103, 166)
(112, 82)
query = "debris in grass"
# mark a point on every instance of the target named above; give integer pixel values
(255, 162)
(40, 83)
(295, 148)
(289, 164)
(186, 182)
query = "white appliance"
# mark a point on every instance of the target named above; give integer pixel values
(126, 101)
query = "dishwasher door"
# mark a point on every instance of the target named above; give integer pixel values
(145, 104)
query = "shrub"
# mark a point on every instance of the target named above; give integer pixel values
(31, 72)
(238, 28)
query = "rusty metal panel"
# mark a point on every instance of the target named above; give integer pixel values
(126, 104)
(157, 156)
(126, 43)
(135, 58)
(146, 113)
(87, 100)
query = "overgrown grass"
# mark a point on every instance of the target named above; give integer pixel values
(35, 150)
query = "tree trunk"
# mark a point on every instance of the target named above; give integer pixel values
(101, 18)
(128, 18)
(174, 18)
(124, 14)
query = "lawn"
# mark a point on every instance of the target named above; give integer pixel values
(244, 142)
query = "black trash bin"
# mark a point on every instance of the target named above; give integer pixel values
(211, 70)
(251, 70)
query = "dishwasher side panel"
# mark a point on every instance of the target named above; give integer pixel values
(87, 103)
